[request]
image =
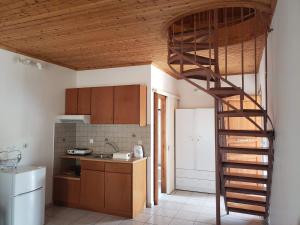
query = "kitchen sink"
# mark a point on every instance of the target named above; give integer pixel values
(103, 156)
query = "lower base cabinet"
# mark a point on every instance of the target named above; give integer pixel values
(66, 191)
(118, 196)
(107, 187)
(92, 190)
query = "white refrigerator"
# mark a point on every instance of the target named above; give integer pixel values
(22, 195)
(195, 150)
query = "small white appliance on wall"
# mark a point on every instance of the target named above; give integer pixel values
(195, 150)
(22, 195)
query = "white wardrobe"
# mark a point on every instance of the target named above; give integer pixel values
(195, 150)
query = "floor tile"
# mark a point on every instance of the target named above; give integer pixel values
(176, 221)
(143, 217)
(170, 205)
(165, 212)
(90, 218)
(56, 221)
(159, 220)
(187, 215)
(179, 208)
(131, 222)
(110, 220)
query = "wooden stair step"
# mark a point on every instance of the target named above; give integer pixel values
(224, 92)
(198, 74)
(250, 133)
(242, 113)
(245, 189)
(241, 164)
(190, 47)
(246, 177)
(246, 199)
(175, 59)
(247, 209)
(241, 150)
(191, 34)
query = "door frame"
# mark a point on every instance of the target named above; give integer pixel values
(163, 99)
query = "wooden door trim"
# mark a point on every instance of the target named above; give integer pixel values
(163, 146)
(163, 143)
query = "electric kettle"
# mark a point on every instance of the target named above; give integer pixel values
(138, 151)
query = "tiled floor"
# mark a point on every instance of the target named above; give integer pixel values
(180, 208)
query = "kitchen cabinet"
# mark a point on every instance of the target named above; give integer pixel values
(102, 105)
(66, 191)
(84, 101)
(71, 101)
(109, 105)
(118, 195)
(78, 101)
(92, 190)
(116, 187)
(130, 104)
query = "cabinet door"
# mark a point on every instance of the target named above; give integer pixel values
(84, 101)
(204, 137)
(66, 191)
(130, 105)
(102, 105)
(71, 101)
(92, 190)
(118, 192)
(185, 145)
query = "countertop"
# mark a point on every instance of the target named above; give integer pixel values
(92, 158)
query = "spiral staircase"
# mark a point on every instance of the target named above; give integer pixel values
(206, 49)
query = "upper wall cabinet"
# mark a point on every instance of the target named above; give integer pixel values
(71, 101)
(130, 105)
(102, 105)
(109, 105)
(84, 101)
(78, 101)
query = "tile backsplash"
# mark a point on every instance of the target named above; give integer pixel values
(79, 135)
(124, 136)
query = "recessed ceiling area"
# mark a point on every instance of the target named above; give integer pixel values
(92, 34)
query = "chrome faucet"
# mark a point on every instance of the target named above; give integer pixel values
(113, 145)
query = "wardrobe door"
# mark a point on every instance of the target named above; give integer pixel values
(185, 154)
(205, 139)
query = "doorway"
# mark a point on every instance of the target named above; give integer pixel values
(160, 176)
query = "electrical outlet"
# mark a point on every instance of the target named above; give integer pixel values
(91, 141)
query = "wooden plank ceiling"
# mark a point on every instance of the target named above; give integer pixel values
(90, 34)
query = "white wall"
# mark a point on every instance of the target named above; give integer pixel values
(118, 76)
(284, 95)
(30, 101)
(191, 97)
